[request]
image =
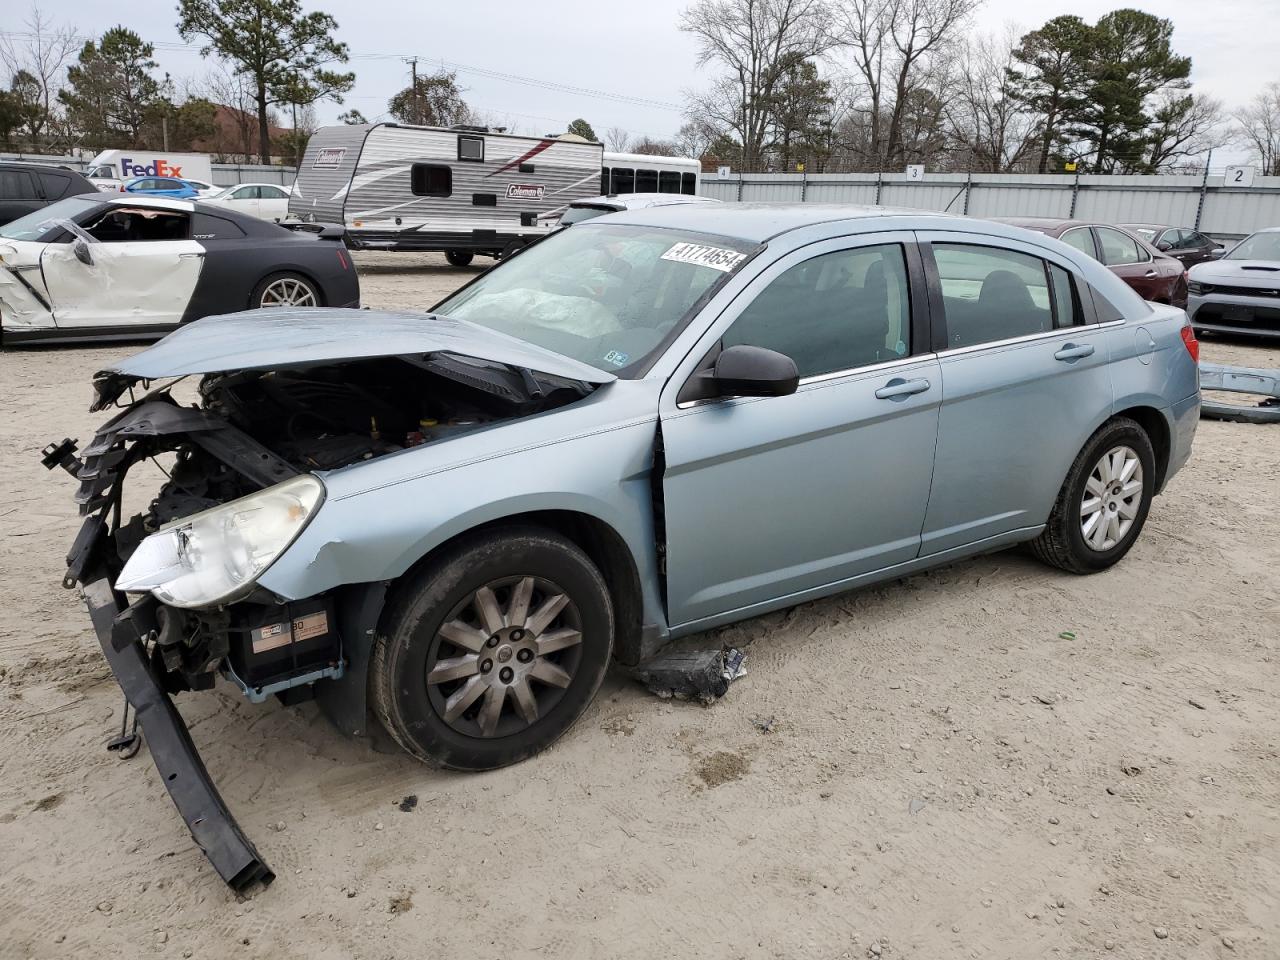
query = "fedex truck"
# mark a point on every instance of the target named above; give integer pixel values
(112, 169)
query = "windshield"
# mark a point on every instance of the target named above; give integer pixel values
(607, 295)
(223, 193)
(578, 214)
(35, 225)
(1260, 246)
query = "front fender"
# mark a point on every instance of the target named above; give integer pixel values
(378, 533)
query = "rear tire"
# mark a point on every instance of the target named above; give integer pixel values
(465, 635)
(285, 290)
(1103, 503)
(459, 258)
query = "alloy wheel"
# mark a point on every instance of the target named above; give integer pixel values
(288, 292)
(504, 656)
(1112, 498)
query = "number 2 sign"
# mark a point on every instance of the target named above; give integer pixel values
(1238, 177)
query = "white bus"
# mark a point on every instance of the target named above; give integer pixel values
(641, 173)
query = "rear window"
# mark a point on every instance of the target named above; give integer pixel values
(17, 185)
(55, 185)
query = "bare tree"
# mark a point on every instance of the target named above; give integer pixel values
(694, 137)
(1183, 125)
(656, 148)
(40, 54)
(1259, 128)
(891, 44)
(990, 130)
(757, 42)
(617, 139)
(233, 92)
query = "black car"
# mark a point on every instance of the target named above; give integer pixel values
(27, 187)
(1185, 245)
(117, 266)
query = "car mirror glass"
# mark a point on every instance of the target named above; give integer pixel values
(81, 250)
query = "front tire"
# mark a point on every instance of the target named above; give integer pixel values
(1103, 503)
(492, 650)
(459, 258)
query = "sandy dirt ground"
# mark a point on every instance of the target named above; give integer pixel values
(991, 760)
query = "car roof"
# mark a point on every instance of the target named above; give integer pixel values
(161, 203)
(1050, 225)
(634, 201)
(758, 222)
(1150, 226)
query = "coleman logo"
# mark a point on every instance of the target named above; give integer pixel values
(517, 191)
(330, 157)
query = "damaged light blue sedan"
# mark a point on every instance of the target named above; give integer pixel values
(648, 425)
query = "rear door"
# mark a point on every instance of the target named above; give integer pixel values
(142, 270)
(273, 202)
(1121, 253)
(1024, 382)
(767, 498)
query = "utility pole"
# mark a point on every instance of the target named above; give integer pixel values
(413, 88)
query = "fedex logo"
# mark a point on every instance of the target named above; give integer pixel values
(161, 168)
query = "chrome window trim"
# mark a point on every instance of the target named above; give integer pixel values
(1042, 335)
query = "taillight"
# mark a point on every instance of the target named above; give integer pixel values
(342, 258)
(1190, 342)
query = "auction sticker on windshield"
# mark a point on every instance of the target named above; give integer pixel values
(703, 255)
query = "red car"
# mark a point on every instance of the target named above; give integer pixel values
(1152, 274)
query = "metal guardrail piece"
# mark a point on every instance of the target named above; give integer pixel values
(1254, 380)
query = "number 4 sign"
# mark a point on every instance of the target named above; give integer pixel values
(1238, 177)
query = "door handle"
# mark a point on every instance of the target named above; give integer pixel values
(1074, 351)
(1150, 274)
(190, 256)
(899, 389)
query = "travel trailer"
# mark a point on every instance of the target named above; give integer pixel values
(462, 190)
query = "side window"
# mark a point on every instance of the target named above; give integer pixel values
(125, 225)
(207, 227)
(834, 312)
(55, 185)
(624, 180)
(471, 148)
(991, 294)
(1065, 311)
(669, 181)
(1081, 239)
(646, 181)
(272, 193)
(431, 180)
(1117, 248)
(689, 183)
(16, 185)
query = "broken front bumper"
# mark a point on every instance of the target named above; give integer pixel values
(214, 829)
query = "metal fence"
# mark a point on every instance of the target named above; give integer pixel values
(224, 174)
(1201, 202)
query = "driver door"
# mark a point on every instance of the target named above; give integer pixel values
(138, 276)
(768, 500)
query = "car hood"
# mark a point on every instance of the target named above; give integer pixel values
(1260, 273)
(280, 338)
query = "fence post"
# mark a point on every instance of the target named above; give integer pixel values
(739, 186)
(1075, 191)
(1204, 187)
(879, 182)
(804, 184)
(968, 185)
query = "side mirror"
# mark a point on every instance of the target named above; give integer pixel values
(81, 250)
(1164, 245)
(1217, 252)
(746, 371)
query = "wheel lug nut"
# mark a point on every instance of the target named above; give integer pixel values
(506, 674)
(525, 655)
(486, 666)
(517, 635)
(493, 641)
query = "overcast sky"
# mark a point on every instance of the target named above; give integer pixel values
(628, 62)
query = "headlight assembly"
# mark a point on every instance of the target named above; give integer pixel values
(216, 556)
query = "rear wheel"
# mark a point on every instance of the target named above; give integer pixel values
(493, 650)
(285, 290)
(1103, 503)
(459, 258)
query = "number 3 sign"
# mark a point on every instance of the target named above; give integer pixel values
(1238, 177)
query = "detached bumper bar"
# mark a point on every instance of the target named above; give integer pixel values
(213, 828)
